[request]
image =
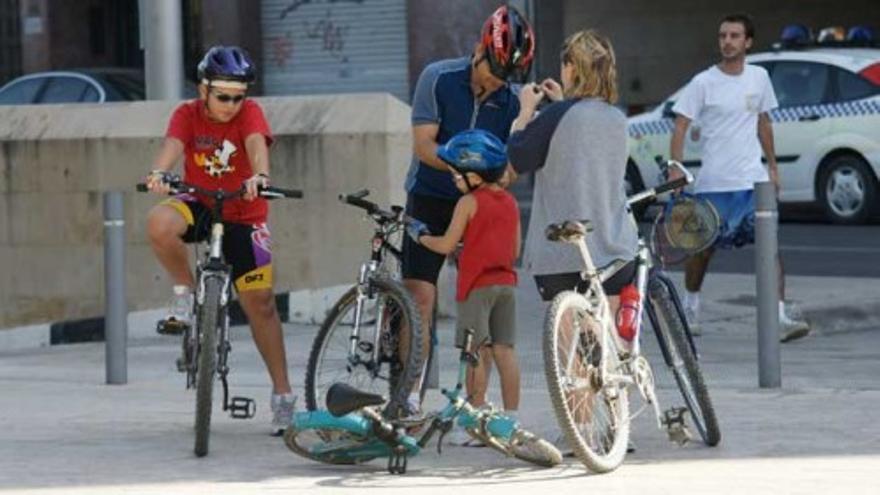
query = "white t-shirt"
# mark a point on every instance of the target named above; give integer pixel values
(727, 108)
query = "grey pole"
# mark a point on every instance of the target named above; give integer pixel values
(766, 267)
(115, 301)
(161, 29)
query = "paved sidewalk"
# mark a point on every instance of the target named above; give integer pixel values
(63, 431)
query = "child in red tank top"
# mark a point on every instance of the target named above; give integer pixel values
(486, 220)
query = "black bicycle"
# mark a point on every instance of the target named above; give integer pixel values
(360, 343)
(206, 344)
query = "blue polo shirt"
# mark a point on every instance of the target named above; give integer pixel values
(443, 96)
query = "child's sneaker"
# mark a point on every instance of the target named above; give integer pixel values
(179, 312)
(283, 408)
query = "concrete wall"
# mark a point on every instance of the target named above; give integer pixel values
(661, 45)
(55, 161)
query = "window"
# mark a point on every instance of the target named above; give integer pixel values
(800, 83)
(853, 87)
(64, 90)
(91, 95)
(22, 92)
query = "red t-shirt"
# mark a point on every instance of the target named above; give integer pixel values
(489, 249)
(216, 157)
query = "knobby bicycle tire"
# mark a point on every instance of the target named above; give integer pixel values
(209, 314)
(686, 371)
(526, 446)
(394, 379)
(606, 453)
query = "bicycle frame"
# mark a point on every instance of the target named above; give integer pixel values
(387, 223)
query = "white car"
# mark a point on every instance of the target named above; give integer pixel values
(826, 129)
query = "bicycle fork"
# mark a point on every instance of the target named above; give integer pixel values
(355, 345)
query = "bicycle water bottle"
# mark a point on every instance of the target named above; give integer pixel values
(628, 312)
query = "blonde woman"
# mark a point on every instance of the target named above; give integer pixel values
(577, 148)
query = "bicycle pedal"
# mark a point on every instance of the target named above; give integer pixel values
(242, 407)
(171, 327)
(679, 434)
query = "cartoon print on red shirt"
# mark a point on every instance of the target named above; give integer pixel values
(217, 163)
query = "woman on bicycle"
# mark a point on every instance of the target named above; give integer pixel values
(577, 149)
(224, 139)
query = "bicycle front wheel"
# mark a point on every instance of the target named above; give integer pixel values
(593, 416)
(208, 318)
(390, 324)
(682, 361)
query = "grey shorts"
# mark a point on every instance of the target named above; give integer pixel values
(490, 312)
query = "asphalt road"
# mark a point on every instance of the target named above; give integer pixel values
(814, 249)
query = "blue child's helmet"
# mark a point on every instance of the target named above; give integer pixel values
(477, 151)
(226, 63)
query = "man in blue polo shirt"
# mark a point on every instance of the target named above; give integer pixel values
(452, 96)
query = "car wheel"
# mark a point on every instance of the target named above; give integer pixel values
(847, 190)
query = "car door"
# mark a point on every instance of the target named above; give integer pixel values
(801, 121)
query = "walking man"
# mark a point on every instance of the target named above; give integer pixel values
(731, 100)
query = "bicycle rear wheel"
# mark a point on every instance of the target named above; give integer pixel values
(328, 445)
(381, 372)
(593, 416)
(682, 362)
(208, 318)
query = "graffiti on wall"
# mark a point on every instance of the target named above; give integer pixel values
(296, 4)
(330, 32)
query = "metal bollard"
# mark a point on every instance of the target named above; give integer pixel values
(767, 277)
(115, 301)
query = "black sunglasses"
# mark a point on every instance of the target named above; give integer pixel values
(225, 98)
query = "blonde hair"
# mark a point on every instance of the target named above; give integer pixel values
(594, 64)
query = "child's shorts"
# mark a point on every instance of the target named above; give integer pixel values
(490, 312)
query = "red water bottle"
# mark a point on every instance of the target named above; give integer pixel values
(628, 312)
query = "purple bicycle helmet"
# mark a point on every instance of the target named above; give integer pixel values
(229, 64)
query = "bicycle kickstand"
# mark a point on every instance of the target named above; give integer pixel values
(397, 460)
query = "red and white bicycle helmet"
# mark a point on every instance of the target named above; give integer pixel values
(509, 43)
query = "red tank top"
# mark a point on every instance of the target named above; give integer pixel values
(489, 243)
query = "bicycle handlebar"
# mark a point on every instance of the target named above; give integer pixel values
(269, 192)
(652, 193)
(357, 199)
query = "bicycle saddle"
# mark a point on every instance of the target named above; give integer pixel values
(343, 399)
(568, 230)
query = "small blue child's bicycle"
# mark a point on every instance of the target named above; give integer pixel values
(352, 430)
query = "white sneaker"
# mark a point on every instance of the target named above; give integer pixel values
(461, 438)
(179, 312)
(791, 329)
(283, 408)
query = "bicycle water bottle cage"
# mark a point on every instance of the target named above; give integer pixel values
(568, 231)
(242, 408)
(343, 399)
